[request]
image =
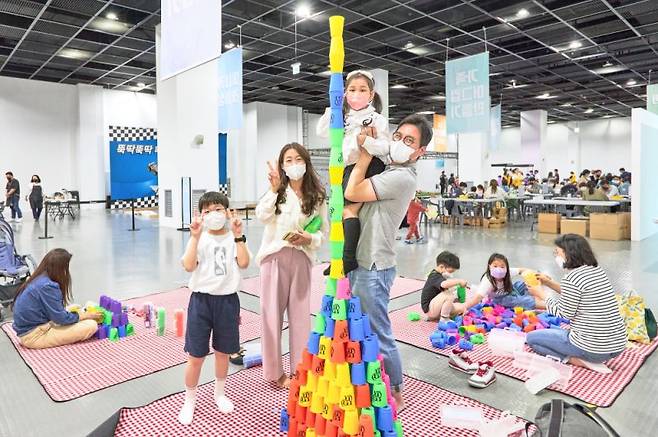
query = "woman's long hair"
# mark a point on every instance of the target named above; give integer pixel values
(507, 280)
(313, 193)
(591, 187)
(55, 265)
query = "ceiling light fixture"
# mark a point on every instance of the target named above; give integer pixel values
(566, 105)
(229, 45)
(111, 16)
(438, 97)
(426, 112)
(296, 67)
(141, 85)
(303, 11)
(575, 45)
(409, 45)
(631, 82)
(399, 86)
(607, 64)
(608, 116)
(545, 96)
(551, 121)
(392, 106)
(589, 111)
(522, 13)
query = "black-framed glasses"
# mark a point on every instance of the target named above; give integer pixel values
(408, 140)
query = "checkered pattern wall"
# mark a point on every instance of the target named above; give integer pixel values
(142, 202)
(223, 188)
(126, 133)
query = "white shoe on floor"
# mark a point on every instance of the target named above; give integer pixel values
(484, 377)
(224, 404)
(186, 413)
(18, 220)
(459, 360)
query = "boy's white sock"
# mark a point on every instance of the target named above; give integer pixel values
(187, 411)
(224, 404)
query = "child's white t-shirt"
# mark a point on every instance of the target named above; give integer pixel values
(217, 271)
(486, 288)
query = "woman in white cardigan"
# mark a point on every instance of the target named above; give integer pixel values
(286, 256)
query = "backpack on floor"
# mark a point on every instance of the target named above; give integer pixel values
(561, 419)
(632, 309)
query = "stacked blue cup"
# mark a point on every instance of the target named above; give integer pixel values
(370, 348)
(356, 330)
(313, 344)
(327, 303)
(354, 308)
(329, 327)
(385, 419)
(358, 373)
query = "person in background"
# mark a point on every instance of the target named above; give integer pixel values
(556, 175)
(13, 196)
(590, 192)
(625, 186)
(569, 189)
(479, 193)
(623, 174)
(534, 187)
(572, 178)
(584, 177)
(609, 189)
(443, 183)
(35, 197)
(437, 300)
(451, 179)
(493, 192)
(413, 217)
(40, 317)
(584, 296)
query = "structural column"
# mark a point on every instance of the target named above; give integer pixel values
(533, 138)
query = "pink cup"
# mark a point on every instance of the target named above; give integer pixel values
(343, 289)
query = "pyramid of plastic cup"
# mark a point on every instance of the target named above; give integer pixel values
(341, 386)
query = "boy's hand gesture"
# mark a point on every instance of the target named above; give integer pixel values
(273, 176)
(196, 226)
(236, 223)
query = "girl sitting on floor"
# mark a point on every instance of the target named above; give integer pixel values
(496, 284)
(40, 318)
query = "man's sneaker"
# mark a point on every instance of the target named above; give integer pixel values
(484, 377)
(18, 220)
(420, 239)
(409, 241)
(459, 360)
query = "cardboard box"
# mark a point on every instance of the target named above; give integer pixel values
(494, 223)
(549, 223)
(607, 232)
(613, 227)
(571, 226)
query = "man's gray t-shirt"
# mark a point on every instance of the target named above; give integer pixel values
(380, 220)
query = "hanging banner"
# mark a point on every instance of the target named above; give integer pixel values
(133, 163)
(230, 90)
(652, 98)
(440, 136)
(467, 94)
(191, 34)
(495, 120)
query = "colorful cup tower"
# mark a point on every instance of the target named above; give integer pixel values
(341, 387)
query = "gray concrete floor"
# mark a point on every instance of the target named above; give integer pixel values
(110, 259)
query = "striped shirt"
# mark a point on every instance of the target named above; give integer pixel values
(588, 300)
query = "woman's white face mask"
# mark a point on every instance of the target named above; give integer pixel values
(295, 171)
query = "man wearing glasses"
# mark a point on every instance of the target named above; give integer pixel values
(386, 197)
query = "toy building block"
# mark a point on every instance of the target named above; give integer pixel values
(161, 321)
(114, 334)
(413, 316)
(179, 322)
(252, 360)
(477, 339)
(461, 294)
(465, 345)
(130, 330)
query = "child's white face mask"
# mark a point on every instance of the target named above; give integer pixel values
(214, 220)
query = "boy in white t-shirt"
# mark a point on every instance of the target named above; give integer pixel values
(214, 256)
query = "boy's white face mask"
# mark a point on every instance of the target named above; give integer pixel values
(214, 220)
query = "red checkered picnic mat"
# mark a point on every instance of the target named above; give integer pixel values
(589, 386)
(258, 405)
(68, 372)
(401, 286)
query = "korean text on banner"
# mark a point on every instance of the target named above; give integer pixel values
(133, 168)
(230, 90)
(652, 98)
(494, 127)
(467, 94)
(191, 35)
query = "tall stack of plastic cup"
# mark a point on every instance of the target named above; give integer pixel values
(340, 386)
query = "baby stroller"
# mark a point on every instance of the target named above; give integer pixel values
(14, 268)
